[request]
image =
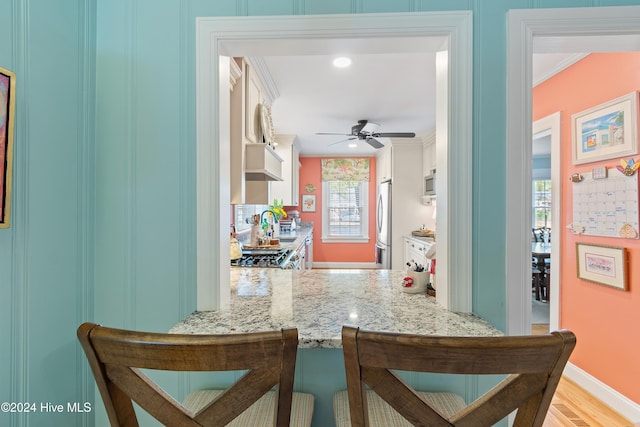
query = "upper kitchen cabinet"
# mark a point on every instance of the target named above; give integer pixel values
(384, 163)
(289, 188)
(429, 156)
(428, 164)
(252, 104)
(254, 163)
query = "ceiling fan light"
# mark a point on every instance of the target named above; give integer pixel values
(341, 62)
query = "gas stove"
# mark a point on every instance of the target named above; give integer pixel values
(266, 258)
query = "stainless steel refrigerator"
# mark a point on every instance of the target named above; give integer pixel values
(383, 226)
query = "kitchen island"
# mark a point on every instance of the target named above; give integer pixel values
(318, 303)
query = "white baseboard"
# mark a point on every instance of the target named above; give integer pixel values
(345, 265)
(610, 397)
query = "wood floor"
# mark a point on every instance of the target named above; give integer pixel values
(573, 407)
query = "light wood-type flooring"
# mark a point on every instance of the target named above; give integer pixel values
(574, 407)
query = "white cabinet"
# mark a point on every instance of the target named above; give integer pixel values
(253, 94)
(384, 164)
(428, 157)
(289, 188)
(414, 251)
(247, 95)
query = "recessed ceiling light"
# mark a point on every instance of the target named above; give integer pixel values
(352, 145)
(342, 62)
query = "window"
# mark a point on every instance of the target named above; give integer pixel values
(345, 211)
(541, 203)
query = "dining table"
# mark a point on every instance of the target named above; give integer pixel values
(541, 251)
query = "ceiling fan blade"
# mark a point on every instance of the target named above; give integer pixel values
(374, 143)
(395, 135)
(342, 140)
(330, 133)
(355, 129)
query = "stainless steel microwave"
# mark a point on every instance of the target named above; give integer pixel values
(430, 185)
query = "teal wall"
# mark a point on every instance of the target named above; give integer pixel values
(46, 256)
(103, 224)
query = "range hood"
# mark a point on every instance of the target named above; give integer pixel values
(262, 163)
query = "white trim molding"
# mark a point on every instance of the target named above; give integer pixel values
(551, 124)
(217, 36)
(607, 395)
(522, 27)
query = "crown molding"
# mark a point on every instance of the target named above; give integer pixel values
(266, 79)
(566, 63)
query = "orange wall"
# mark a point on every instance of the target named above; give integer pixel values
(310, 173)
(606, 321)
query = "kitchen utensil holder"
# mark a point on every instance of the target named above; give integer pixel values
(420, 282)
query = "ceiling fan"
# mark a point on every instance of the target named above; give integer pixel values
(366, 131)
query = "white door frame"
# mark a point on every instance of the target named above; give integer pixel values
(599, 25)
(523, 25)
(213, 215)
(551, 124)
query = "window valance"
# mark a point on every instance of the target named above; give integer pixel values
(344, 169)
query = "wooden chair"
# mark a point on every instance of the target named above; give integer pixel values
(533, 365)
(117, 356)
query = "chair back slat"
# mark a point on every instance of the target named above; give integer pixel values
(533, 365)
(491, 355)
(117, 356)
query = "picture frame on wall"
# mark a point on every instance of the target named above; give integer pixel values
(606, 131)
(308, 203)
(7, 112)
(605, 265)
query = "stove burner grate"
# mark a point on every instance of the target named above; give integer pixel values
(263, 259)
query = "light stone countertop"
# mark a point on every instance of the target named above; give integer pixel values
(319, 302)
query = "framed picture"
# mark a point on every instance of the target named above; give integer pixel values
(308, 203)
(606, 131)
(605, 265)
(7, 111)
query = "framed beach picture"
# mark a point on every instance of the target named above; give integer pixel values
(606, 131)
(7, 111)
(605, 265)
(308, 203)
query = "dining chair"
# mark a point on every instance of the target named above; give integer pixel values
(118, 356)
(377, 396)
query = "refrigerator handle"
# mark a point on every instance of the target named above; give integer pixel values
(379, 216)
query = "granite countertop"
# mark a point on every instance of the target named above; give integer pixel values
(421, 238)
(319, 302)
(295, 238)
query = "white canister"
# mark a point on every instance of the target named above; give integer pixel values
(419, 279)
(255, 235)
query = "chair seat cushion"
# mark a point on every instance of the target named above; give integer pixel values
(381, 414)
(261, 413)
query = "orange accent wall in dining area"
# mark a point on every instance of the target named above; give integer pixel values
(605, 320)
(311, 173)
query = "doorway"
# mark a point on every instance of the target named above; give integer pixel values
(601, 29)
(549, 128)
(215, 39)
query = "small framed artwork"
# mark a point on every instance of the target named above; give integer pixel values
(605, 265)
(308, 203)
(606, 131)
(7, 111)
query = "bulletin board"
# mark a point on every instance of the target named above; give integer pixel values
(606, 207)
